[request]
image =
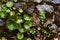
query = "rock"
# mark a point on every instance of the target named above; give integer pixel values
(46, 24)
(53, 1)
(59, 33)
(55, 38)
(18, 5)
(44, 7)
(57, 13)
(40, 8)
(54, 26)
(30, 10)
(48, 7)
(56, 1)
(49, 21)
(35, 20)
(38, 1)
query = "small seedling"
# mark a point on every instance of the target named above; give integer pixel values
(20, 36)
(9, 4)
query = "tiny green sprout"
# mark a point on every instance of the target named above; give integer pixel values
(24, 3)
(10, 25)
(9, 4)
(15, 0)
(8, 11)
(43, 30)
(20, 10)
(29, 39)
(21, 30)
(4, 0)
(18, 13)
(19, 21)
(32, 31)
(14, 8)
(48, 35)
(50, 11)
(20, 36)
(38, 28)
(42, 16)
(27, 25)
(2, 15)
(26, 17)
(12, 13)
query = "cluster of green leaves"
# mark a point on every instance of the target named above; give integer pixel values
(42, 16)
(46, 33)
(19, 22)
(15, 20)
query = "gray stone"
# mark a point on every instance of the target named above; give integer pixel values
(44, 7)
(56, 1)
(54, 26)
(37, 1)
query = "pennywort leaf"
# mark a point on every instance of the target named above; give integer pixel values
(10, 25)
(19, 21)
(26, 17)
(20, 35)
(15, 0)
(32, 31)
(9, 4)
(2, 15)
(21, 30)
(20, 10)
(29, 39)
(27, 25)
(12, 13)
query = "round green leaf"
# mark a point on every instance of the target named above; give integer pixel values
(21, 30)
(27, 25)
(19, 21)
(38, 28)
(12, 13)
(20, 10)
(29, 39)
(9, 4)
(32, 31)
(26, 17)
(10, 26)
(20, 36)
(15, 0)
(8, 11)
(2, 15)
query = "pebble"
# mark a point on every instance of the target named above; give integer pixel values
(40, 8)
(55, 38)
(18, 5)
(30, 10)
(38, 1)
(44, 7)
(54, 26)
(56, 1)
(53, 1)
